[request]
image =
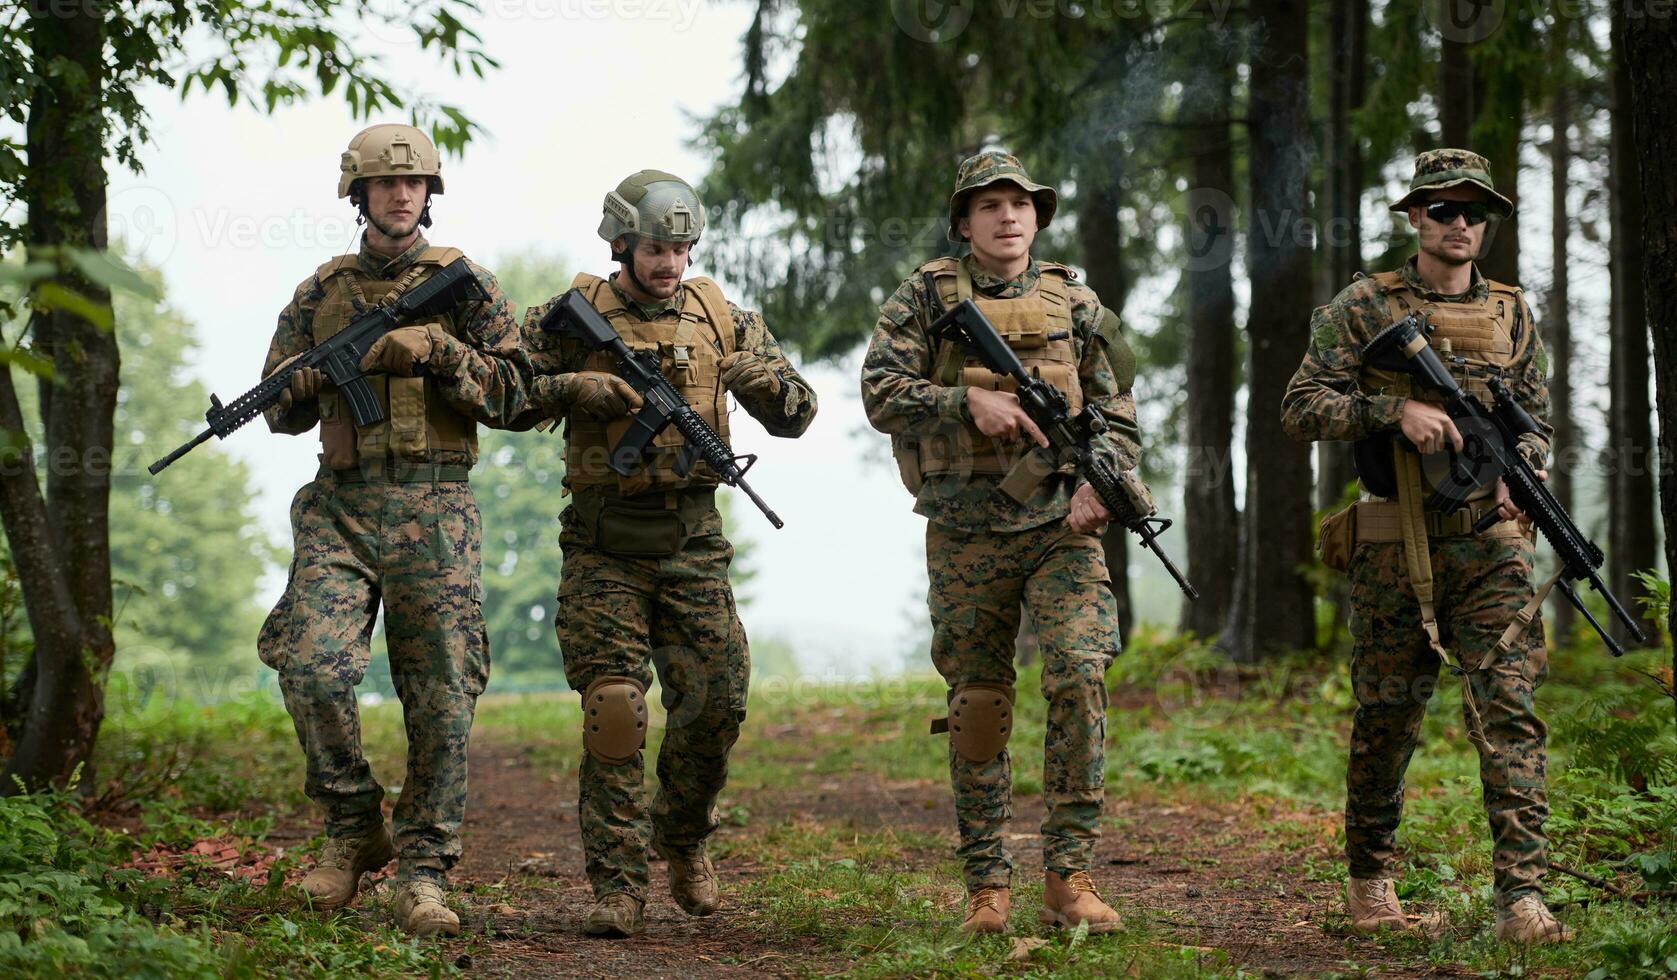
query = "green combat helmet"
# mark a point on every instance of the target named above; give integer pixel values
(992, 167)
(653, 204)
(390, 150)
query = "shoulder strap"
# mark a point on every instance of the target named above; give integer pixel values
(335, 265)
(1396, 293)
(709, 296)
(438, 255)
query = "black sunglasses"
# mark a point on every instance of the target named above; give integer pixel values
(1446, 212)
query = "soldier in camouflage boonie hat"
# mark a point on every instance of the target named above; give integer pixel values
(1437, 169)
(992, 167)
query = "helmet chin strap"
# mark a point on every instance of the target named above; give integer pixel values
(626, 257)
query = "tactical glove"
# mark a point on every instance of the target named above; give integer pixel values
(402, 350)
(748, 377)
(305, 385)
(591, 394)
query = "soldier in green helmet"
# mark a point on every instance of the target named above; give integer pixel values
(1427, 588)
(645, 584)
(994, 543)
(389, 518)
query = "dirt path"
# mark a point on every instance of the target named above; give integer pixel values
(1212, 877)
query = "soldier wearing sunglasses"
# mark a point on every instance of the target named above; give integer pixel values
(1426, 588)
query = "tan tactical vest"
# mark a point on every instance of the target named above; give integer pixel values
(417, 419)
(1038, 326)
(690, 349)
(1475, 339)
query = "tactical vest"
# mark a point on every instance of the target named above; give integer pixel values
(1474, 339)
(1038, 326)
(417, 420)
(690, 349)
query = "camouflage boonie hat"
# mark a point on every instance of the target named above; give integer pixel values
(990, 167)
(1437, 169)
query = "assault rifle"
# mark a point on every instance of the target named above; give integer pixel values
(576, 318)
(1403, 347)
(1122, 492)
(339, 357)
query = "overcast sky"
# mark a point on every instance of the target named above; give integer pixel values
(237, 207)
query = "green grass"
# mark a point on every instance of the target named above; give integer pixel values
(881, 902)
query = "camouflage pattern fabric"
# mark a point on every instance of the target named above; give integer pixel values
(978, 582)
(481, 374)
(415, 547)
(900, 398)
(1324, 400)
(787, 414)
(633, 617)
(1437, 169)
(1481, 583)
(991, 167)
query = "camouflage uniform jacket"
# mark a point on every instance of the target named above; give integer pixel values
(788, 417)
(900, 398)
(482, 373)
(1325, 401)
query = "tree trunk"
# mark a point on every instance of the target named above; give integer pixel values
(61, 542)
(1348, 37)
(1558, 317)
(1276, 611)
(1632, 543)
(1651, 61)
(1211, 519)
(1098, 234)
(1457, 104)
(1501, 260)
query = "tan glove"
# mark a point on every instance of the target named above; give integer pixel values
(305, 385)
(748, 376)
(591, 394)
(400, 351)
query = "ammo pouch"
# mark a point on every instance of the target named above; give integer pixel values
(653, 525)
(1336, 538)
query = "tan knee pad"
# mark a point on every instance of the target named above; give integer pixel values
(614, 719)
(980, 719)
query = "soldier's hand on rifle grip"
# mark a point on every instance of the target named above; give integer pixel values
(305, 385)
(1505, 505)
(998, 415)
(1088, 515)
(403, 350)
(1429, 427)
(594, 395)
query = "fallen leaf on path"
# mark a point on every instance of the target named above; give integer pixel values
(1022, 947)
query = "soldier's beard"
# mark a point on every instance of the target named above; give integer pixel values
(393, 232)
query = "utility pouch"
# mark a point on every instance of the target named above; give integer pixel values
(639, 532)
(1337, 537)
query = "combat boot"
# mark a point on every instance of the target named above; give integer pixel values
(986, 910)
(1072, 901)
(617, 915)
(1528, 922)
(421, 910)
(1373, 904)
(343, 860)
(692, 878)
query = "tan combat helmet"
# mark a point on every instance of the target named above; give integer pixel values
(653, 204)
(390, 150)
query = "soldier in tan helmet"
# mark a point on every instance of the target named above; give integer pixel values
(389, 518)
(645, 585)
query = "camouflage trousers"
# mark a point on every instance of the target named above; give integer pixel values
(415, 548)
(673, 615)
(979, 580)
(1479, 584)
